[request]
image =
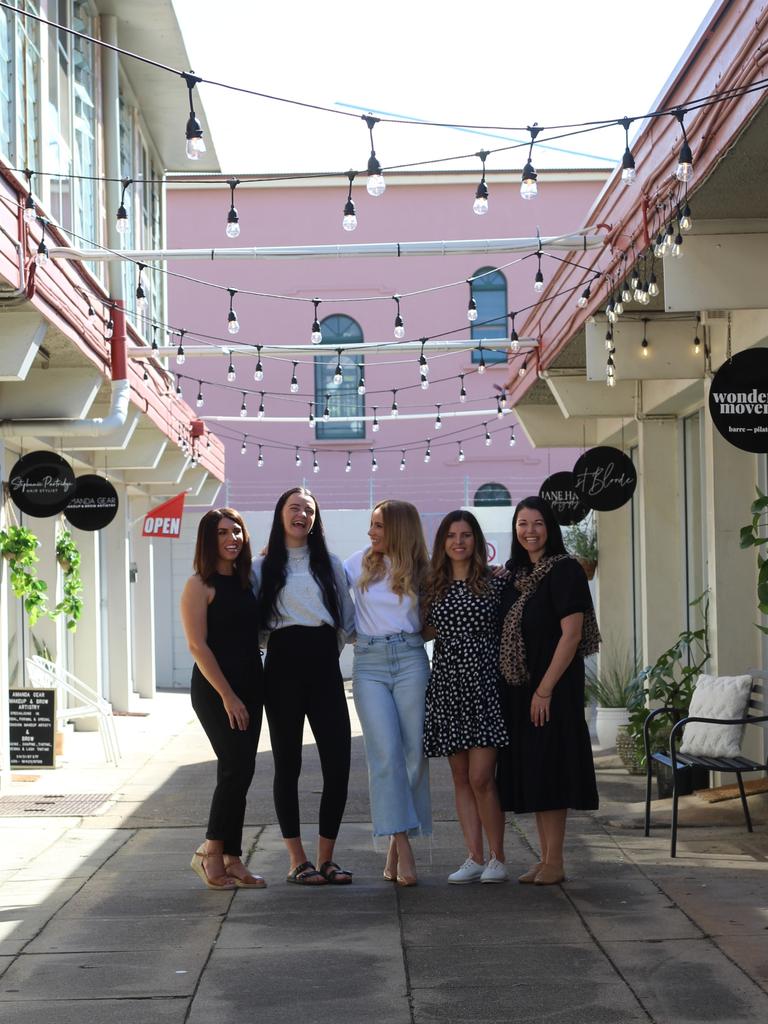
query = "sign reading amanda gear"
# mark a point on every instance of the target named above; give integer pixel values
(165, 520)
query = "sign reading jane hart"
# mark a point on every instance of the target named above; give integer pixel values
(567, 506)
(738, 400)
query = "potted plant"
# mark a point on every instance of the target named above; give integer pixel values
(753, 535)
(669, 683)
(19, 546)
(581, 541)
(615, 688)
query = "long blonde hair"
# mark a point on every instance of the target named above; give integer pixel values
(406, 551)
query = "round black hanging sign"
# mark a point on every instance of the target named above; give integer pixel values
(738, 400)
(41, 484)
(604, 478)
(94, 503)
(568, 507)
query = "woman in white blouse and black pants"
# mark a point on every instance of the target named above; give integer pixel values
(304, 600)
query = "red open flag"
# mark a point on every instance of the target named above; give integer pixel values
(165, 520)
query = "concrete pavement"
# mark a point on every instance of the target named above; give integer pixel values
(101, 918)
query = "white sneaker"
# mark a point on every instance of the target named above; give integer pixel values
(494, 871)
(470, 871)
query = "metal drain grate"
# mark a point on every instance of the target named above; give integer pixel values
(57, 805)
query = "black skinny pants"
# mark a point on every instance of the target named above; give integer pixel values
(235, 751)
(302, 679)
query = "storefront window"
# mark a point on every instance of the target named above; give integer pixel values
(343, 399)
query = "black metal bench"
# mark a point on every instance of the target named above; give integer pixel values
(680, 763)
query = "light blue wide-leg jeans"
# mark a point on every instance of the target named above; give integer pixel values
(389, 683)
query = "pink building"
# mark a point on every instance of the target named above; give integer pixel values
(357, 305)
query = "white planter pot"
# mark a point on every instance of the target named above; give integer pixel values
(607, 722)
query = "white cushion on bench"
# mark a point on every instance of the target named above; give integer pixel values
(717, 697)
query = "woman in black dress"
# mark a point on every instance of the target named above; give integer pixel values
(218, 612)
(549, 627)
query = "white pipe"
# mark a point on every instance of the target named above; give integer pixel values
(99, 427)
(488, 413)
(487, 247)
(431, 347)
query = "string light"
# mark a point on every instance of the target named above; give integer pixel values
(375, 423)
(294, 385)
(361, 382)
(315, 463)
(338, 373)
(609, 338)
(42, 250)
(180, 357)
(260, 411)
(481, 360)
(653, 285)
(677, 248)
(423, 367)
(243, 446)
(528, 187)
(463, 390)
(402, 459)
(348, 466)
(503, 398)
(200, 401)
(626, 293)
(488, 438)
(428, 450)
(349, 221)
(684, 218)
(260, 460)
(374, 463)
(30, 207)
(311, 419)
(438, 419)
(258, 373)
(231, 372)
(121, 221)
(461, 452)
(394, 410)
(538, 281)
(298, 458)
(684, 169)
(697, 339)
(376, 184)
(194, 130)
(327, 409)
(628, 172)
(233, 325)
(179, 392)
(514, 340)
(141, 296)
(472, 307)
(512, 438)
(644, 344)
(480, 205)
(233, 220)
(317, 335)
(524, 368)
(109, 330)
(146, 375)
(499, 410)
(584, 297)
(399, 331)
(243, 407)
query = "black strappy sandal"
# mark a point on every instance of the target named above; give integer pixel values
(331, 872)
(302, 873)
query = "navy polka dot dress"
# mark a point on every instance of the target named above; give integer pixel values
(463, 696)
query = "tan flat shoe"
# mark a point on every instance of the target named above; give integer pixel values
(406, 880)
(198, 866)
(247, 881)
(549, 876)
(530, 875)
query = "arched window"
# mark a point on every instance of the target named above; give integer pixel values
(343, 399)
(492, 494)
(490, 294)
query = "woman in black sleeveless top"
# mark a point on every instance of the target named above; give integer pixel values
(218, 611)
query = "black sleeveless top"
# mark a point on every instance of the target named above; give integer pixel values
(232, 631)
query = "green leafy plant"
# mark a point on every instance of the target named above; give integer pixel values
(754, 535)
(616, 684)
(669, 683)
(19, 546)
(68, 557)
(581, 539)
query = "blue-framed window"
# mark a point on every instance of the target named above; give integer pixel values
(490, 294)
(343, 398)
(492, 494)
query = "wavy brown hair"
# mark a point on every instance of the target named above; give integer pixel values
(441, 569)
(406, 551)
(206, 557)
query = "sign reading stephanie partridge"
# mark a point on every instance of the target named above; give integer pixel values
(566, 504)
(604, 478)
(738, 400)
(165, 520)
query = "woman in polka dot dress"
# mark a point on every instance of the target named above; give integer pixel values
(464, 720)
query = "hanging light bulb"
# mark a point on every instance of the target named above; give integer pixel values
(260, 410)
(315, 463)
(258, 373)
(231, 373)
(327, 409)
(628, 172)
(317, 335)
(480, 205)
(472, 307)
(194, 130)
(610, 310)
(402, 459)
(428, 451)
(461, 452)
(677, 248)
(243, 407)
(609, 338)
(423, 367)
(243, 446)
(311, 417)
(514, 340)
(349, 221)
(697, 339)
(626, 293)
(399, 324)
(376, 184)
(348, 467)
(462, 389)
(41, 258)
(481, 360)
(233, 325)
(644, 344)
(645, 297)
(538, 281)
(179, 392)
(488, 438)
(297, 459)
(141, 295)
(374, 463)
(524, 368)
(146, 375)
(685, 220)
(669, 236)
(338, 373)
(499, 410)
(684, 169)
(528, 187)
(634, 281)
(660, 245)
(121, 221)
(109, 329)
(584, 297)
(503, 399)
(260, 460)
(394, 410)
(294, 385)
(653, 285)
(30, 207)
(361, 382)
(180, 357)
(438, 419)
(233, 220)
(512, 438)
(375, 423)
(619, 307)
(199, 401)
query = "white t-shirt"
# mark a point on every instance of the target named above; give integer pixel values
(378, 611)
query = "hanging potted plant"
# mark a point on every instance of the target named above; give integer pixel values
(19, 546)
(581, 541)
(71, 603)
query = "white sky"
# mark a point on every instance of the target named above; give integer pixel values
(502, 62)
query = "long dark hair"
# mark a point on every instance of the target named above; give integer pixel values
(274, 571)
(519, 558)
(206, 557)
(441, 571)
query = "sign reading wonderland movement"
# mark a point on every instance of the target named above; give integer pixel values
(738, 400)
(604, 478)
(566, 504)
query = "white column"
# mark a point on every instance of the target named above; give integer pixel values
(143, 600)
(613, 581)
(46, 630)
(662, 539)
(118, 617)
(87, 638)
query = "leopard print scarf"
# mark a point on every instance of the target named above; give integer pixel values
(514, 666)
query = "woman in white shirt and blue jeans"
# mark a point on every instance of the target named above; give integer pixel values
(390, 676)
